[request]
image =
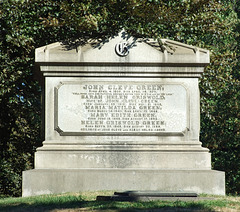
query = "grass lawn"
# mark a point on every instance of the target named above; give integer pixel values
(86, 201)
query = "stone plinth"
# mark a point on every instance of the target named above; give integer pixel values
(122, 115)
(49, 181)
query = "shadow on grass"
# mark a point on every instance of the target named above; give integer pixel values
(83, 205)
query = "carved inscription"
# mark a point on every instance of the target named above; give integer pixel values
(121, 108)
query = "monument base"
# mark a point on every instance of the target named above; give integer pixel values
(183, 156)
(50, 181)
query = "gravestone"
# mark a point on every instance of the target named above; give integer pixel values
(123, 114)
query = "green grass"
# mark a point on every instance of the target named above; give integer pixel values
(85, 201)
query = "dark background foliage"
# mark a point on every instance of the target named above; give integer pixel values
(28, 24)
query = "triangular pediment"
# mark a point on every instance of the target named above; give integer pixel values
(139, 51)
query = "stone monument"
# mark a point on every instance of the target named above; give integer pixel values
(122, 115)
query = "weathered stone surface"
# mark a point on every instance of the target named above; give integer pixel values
(185, 107)
(133, 108)
(122, 122)
(50, 181)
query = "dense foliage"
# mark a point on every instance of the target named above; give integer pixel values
(28, 24)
